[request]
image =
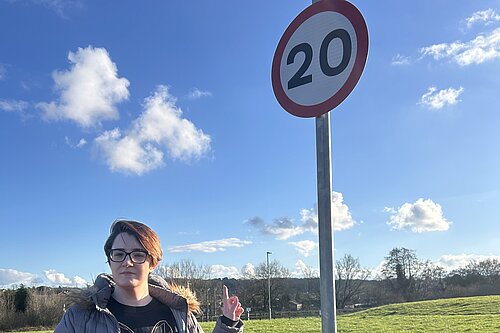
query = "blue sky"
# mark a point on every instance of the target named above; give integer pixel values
(164, 112)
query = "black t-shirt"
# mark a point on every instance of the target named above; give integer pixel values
(152, 318)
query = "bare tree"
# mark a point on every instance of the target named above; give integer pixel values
(309, 272)
(184, 270)
(430, 282)
(278, 275)
(349, 279)
(477, 277)
(401, 270)
(489, 268)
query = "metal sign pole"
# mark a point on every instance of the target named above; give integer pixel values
(306, 92)
(325, 227)
(326, 258)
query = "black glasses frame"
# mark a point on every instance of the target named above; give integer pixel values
(129, 254)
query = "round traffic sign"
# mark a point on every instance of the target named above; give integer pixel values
(320, 58)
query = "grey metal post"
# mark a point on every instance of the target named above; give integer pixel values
(269, 284)
(325, 227)
(326, 258)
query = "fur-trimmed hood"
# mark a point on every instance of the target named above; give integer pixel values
(175, 296)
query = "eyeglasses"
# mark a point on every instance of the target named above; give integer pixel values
(137, 256)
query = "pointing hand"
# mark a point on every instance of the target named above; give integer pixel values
(232, 308)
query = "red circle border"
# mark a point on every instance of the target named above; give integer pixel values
(356, 18)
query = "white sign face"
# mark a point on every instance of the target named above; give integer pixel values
(320, 58)
(337, 54)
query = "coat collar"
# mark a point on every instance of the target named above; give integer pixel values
(158, 288)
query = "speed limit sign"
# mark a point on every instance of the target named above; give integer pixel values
(320, 58)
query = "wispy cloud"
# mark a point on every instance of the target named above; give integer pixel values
(421, 216)
(400, 60)
(284, 228)
(59, 279)
(435, 99)
(305, 247)
(211, 246)
(483, 48)
(487, 17)
(196, 93)
(82, 142)
(13, 105)
(160, 125)
(60, 7)
(3, 72)
(88, 91)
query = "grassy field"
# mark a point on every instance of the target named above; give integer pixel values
(470, 314)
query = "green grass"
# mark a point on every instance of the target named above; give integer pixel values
(470, 314)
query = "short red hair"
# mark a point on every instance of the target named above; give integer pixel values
(144, 234)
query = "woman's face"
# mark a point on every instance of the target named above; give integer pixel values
(128, 274)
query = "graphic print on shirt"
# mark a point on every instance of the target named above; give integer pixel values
(161, 327)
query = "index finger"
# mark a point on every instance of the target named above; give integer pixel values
(225, 293)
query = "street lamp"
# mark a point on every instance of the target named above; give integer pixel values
(208, 304)
(269, 283)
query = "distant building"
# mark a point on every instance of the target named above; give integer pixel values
(294, 306)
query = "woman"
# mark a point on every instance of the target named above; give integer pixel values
(133, 300)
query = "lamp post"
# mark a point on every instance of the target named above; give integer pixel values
(208, 304)
(269, 283)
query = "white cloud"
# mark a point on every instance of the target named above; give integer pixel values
(9, 277)
(487, 17)
(221, 271)
(248, 270)
(482, 48)
(197, 94)
(88, 91)
(13, 105)
(128, 154)
(400, 60)
(304, 247)
(210, 246)
(421, 216)
(59, 279)
(341, 216)
(437, 99)
(159, 126)
(79, 281)
(453, 261)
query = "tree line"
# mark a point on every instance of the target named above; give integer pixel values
(403, 277)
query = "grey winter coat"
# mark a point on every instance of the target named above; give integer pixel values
(90, 314)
